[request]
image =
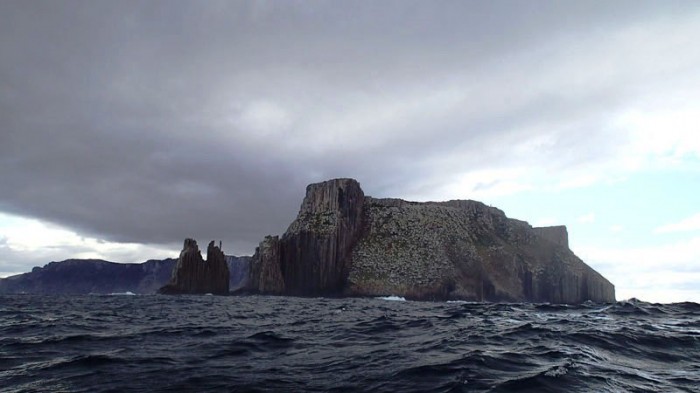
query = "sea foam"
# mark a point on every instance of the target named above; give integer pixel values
(392, 298)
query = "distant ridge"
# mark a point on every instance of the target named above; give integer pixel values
(86, 276)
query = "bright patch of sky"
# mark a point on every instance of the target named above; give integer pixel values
(26, 242)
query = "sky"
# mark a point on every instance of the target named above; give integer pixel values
(126, 126)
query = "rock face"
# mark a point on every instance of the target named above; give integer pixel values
(193, 275)
(466, 250)
(555, 234)
(315, 249)
(265, 274)
(345, 243)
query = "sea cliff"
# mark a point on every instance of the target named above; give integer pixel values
(345, 243)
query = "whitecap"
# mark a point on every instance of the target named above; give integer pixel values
(392, 298)
(556, 371)
(127, 293)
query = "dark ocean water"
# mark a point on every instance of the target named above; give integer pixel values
(257, 343)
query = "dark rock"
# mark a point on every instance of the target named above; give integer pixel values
(345, 243)
(555, 234)
(266, 275)
(193, 275)
(315, 248)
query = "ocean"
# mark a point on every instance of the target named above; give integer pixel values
(156, 343)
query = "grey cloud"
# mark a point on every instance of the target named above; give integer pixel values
(13, 262)
(126, 120)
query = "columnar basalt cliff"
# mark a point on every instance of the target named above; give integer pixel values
(193, 275)
(265, 274)
(315, 249)
(345, 243)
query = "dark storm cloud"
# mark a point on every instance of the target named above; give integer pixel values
(152, 121)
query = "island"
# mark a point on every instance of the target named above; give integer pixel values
(343, 243)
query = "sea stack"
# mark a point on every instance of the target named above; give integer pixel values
(193, 275)
(345, 243)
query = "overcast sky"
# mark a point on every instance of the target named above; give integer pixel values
(127, 126)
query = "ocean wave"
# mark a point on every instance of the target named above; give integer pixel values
(260, 343)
